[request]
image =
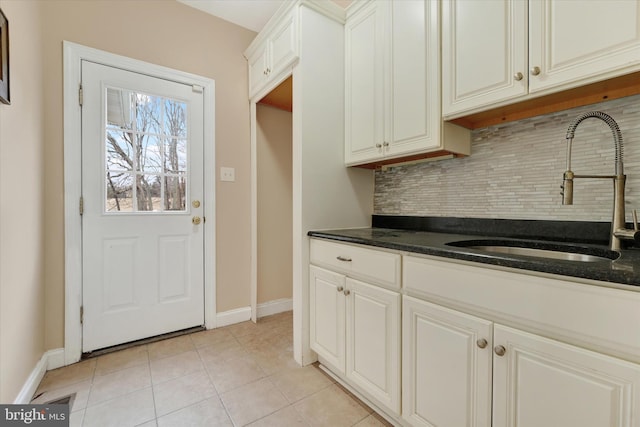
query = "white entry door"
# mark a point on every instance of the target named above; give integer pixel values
(142, 189)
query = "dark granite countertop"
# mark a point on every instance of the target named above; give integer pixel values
(436, 239)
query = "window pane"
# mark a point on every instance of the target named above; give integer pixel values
(145, 152)
(175, 121)
(175, 155)
(148, 192)
(174, 189)
(149, 154)
(148, 113)
(119, 108)
(119, 192)
(119, 150)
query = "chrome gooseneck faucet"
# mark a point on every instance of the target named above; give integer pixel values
(619, 231)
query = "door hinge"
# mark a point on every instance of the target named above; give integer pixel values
(81, 314)
(80, 95)
(81, 205)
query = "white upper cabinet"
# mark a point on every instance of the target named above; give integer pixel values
(499, 51)
(364, 90)
(578, 44)
(484, 53)
(392, 86)
(277, 51)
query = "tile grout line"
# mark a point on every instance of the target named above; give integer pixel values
(213, 384)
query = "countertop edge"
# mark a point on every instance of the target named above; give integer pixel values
(625, 278)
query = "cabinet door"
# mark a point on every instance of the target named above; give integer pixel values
(484, 53)
(364, 85)
(446, 375)
(541, 382)
(412, 85)
(327, 316)
(373, 340)
(577, 44)
(283, 45)
(257, 70)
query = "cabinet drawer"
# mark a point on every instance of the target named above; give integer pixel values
(371, 265)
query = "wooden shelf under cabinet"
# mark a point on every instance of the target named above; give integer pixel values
(606, 90)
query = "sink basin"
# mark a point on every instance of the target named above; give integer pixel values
(540, 250)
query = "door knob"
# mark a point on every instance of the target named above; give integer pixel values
(196, 220)
(195, 203)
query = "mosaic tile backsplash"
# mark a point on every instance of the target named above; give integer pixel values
(515, 171)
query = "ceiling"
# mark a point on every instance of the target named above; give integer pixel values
(251, 14)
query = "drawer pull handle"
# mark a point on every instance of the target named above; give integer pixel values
(499, 350)
(482, 343)
(343, 258)
(340, 289)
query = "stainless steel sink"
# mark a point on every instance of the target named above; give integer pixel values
(541, 250)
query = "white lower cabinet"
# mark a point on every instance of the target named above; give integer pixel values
(327, 314)
(461, 370)
(355, 329)
(446, 366)
(543, 382)
(457, 349)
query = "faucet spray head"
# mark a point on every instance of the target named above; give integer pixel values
(567, 188)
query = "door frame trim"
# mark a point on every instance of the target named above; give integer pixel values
(74, 54)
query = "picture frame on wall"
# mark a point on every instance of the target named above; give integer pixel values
(5, 95)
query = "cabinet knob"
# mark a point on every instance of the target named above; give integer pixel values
(347, 292)
(518, 76)
(385, 144)
(535, 71)
(378, 145)
(482, 343)
(499, 350)
(340, 289)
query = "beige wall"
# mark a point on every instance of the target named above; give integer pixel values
(21, 204)
(174, 35)
(275, 205)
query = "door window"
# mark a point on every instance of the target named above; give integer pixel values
(146, 153)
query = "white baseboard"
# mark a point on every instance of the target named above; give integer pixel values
(55, 359)
(233, 316)
(50, 360)
(274, 307)
(243, 314)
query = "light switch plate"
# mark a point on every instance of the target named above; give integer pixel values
(227, 174)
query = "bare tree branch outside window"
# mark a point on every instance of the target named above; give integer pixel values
(146, 143)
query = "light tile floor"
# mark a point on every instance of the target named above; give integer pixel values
(239, 375)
